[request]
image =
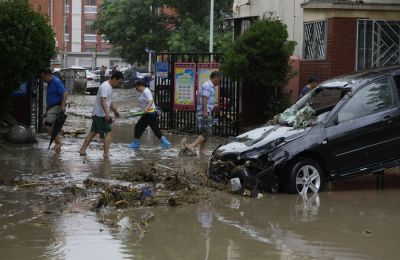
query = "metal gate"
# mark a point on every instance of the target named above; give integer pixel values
(226, 119)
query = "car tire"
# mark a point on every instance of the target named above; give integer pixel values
(305, 175)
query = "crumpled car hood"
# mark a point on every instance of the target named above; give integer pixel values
(261, 137)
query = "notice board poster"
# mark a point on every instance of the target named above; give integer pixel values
(184, 87)
(162, 70)
(204, 71)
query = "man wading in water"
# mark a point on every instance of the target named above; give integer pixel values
(101, 114)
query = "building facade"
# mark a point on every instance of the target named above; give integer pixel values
(76, 39)
(333, 36)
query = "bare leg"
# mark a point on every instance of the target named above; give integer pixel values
(200, 139)
(58, 142)
(86, 143)
(107, 142)
(203, 148)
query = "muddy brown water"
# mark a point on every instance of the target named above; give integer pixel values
(350, 220)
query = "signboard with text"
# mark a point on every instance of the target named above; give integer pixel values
(184, 88)
(204, 71)
(162, 70)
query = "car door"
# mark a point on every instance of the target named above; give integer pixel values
(365, 130)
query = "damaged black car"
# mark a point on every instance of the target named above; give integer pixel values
(347, 126)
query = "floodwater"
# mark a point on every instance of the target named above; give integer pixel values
(350, 220)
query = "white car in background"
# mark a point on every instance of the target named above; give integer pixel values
(93, 82)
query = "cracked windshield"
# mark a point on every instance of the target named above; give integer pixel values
(192, 129)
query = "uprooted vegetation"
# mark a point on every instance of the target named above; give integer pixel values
(160, 185)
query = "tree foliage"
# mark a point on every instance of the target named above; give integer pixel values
(131, 27)
(260, 58)
(26, 45)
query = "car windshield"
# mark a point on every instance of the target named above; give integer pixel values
(313, 107)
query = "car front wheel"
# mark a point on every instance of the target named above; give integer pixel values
(305, 176)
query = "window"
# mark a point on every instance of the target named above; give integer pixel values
(89, 37)
(90, 6)
(90, 2)
(66, 27)
(378, 43)
(242, 24)
(315, 40)
(397, 81)
(89, 27)
(372, 98)
(326, 99)
(66, 8)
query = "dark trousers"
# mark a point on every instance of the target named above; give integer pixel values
(149, 119)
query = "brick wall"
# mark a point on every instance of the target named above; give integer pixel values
(340, 52)
(42, 6)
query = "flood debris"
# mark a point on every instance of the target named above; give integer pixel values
(302, 118)
(159, 185)
(150, 186)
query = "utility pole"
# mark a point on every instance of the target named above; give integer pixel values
(211, 49)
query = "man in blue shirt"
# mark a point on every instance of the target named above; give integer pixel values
(56, 99)
(205, 107)
(312, 83)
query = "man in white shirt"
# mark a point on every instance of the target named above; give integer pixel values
(101, 123)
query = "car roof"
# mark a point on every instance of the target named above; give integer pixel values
(74, 67)
(349, 80)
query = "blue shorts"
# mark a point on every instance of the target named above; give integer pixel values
(205, 125)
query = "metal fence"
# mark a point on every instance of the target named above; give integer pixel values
(226, 121)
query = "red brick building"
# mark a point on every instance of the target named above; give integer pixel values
(345, 36)
(77, 41)
(333, 37)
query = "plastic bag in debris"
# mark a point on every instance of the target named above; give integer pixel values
(146, 192)
(235, 184)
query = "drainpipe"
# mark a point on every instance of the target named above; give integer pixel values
(51, 12)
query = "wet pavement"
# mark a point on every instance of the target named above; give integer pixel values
(351, 220)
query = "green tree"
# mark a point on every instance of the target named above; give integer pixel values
(26, 45)
(191, 25)
(132, 26)
(260, 59)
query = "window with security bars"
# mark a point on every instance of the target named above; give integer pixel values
(378, 43)
(315, 40)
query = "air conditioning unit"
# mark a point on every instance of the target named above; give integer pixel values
(239, 3)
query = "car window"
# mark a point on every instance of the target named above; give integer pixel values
(80, 74)
(326, 99)
(372, 98)
(397, 81)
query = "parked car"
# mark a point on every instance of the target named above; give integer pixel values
(93, 75)
(133, 75)
(93, 82)
(347, 126)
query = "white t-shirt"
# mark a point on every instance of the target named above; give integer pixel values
(105, 90)
(144, 99)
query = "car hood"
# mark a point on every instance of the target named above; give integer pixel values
(268, 137)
